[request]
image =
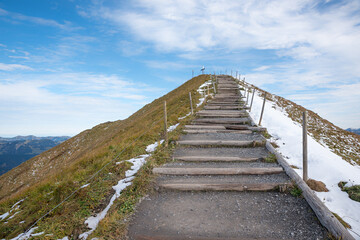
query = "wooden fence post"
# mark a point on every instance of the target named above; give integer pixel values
(214, 87)
(192, 110)
(208, 90)
(305, 155)
(252, 99)
(165, 125)
(247, 97)
(262, 110)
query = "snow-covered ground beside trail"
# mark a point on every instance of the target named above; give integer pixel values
(323, 164)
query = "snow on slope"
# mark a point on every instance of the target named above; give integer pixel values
(323, 164)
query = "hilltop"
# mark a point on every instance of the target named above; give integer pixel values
(48, 178)
(36, 186)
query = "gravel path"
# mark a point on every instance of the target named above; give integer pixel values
(238, 215)
(175, 212)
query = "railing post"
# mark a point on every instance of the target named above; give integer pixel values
(305, 155)
(192, 110)
(208, 90)
(252, 99)
(165, 125)
(214, 87)
(247, 97)
(262, 110)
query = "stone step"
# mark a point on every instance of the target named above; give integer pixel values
(224, 107)
(225, 127)
(225, 186)
(223, 137)
(222, 121)
(205, 127)
(218, 115)
(216, 159)
(222, 111)
(222, 143)
(217, 171)
(217, 131)
(224, 179)
(219, 153)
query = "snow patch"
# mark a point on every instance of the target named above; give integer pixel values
(2, 217)
(84, 186)
(180, 118)
(152, 147)
(201, 102)
(64, 238)
(323, 164)
(28, 234)
(173, 127)
(13, 208)
(93, 221)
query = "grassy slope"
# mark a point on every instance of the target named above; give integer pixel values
(46, 180)
(342, 142)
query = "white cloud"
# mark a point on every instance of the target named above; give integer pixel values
(67, 25)
(66, 103)
(196, 25)
(262, 68)
(13, 67)
(167, 65)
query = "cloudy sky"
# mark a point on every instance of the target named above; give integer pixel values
(68, 65)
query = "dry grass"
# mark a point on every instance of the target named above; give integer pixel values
(318, 186)
(345, 224)
(68, 166)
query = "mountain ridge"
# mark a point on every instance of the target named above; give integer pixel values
(354, 130)
(57, 139)
(47, 179)
(16, 150)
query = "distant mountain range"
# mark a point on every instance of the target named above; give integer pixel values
(357, 131)
(16, 150)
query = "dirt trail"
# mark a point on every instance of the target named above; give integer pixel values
(220, 186)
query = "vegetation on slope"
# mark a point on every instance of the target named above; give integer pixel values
(46, 180)
(342, 142)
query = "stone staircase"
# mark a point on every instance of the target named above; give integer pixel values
(214, 155)
(220, 184)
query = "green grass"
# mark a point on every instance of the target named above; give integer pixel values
(266, 134)
(353, 191)
(270, 158)
(296, 191)
(108, 140)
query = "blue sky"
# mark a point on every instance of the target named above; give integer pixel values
(68, 65)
